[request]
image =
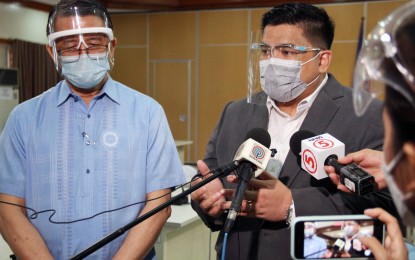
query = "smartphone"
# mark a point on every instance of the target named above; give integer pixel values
(319, 237)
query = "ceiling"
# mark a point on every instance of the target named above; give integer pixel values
(170, 5)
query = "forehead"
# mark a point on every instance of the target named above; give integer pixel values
(63, 23)
(309, 225)
(284, 33)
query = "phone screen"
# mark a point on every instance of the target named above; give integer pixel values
(320, 239)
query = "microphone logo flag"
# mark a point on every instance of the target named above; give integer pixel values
(255, 153)
(315, 150)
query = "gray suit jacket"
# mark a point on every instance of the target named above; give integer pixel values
(332, 112)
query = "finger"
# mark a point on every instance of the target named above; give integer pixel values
(251, 195)
(335, 179)
(209, 202)
(266, 176)
(232, 178)
(228, 192)
(256, 184)
(197, 194)
(350, 158)
(343, 188)
(391, 222)
(329, 169)
(202, 167)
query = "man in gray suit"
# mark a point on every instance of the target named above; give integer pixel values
(298, 94)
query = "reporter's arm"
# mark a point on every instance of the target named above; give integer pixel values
(16, 229)
(141, 238)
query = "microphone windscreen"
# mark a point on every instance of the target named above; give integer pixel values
(260, 135)
(296, 138)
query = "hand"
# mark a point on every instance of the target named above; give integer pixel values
(210, 196)
(370, 160)
(394, 247)
(270, 198)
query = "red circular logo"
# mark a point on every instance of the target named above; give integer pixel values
(309, 161)
(323, 143)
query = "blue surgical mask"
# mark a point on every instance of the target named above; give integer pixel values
(85, 73)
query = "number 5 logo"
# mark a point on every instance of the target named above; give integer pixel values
(323, 143)
(309, 161)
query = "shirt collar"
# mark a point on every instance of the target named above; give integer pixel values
(108, 89)
(304, 104)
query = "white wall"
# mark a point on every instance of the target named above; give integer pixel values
(22, 23)
(5, 251)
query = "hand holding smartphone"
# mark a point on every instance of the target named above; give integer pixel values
(320, 237)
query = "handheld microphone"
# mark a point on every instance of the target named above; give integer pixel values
(337, 246)
(253, 155)
(318, 151)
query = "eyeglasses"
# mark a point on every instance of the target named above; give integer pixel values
(282, 51)
(94, 52)
(69, 49)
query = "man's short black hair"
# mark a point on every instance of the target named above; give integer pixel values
(64, 8)
(317, 25)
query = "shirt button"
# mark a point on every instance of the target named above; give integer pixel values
(88, 171)
(88, 115)
(88, 142)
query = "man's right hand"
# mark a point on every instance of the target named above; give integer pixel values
(210, 196)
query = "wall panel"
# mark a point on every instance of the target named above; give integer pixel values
(215, 42)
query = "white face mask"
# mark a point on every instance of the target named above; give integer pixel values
(308, 232)
(348, 231)
(281, 79)
(85, 73)
(398, 197)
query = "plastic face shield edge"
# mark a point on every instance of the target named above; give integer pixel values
(386, 59)
(254, 85)
(80, 31)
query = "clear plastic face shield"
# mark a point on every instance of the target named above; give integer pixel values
(289, 58)
(387, 58)
(78, 34)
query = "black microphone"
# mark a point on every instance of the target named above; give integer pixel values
(255, 157)
(327, 149)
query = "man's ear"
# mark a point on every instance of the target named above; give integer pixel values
(409, 151)
(49, 50)
(325, 60)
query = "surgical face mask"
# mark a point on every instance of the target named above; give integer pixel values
(348, 231)
(281, 79)
(308, 232)
(85, 73)
(398, 197)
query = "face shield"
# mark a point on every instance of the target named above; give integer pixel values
(386, 59)
(255, 56)
(79, 34)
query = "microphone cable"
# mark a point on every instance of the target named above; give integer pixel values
(35, 213)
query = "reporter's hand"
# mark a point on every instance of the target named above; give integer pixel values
(270, 198)
(394, 246)
(210, 196)
(370, 160)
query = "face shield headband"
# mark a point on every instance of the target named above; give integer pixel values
(383, 60)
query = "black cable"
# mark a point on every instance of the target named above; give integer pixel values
(36, 213)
